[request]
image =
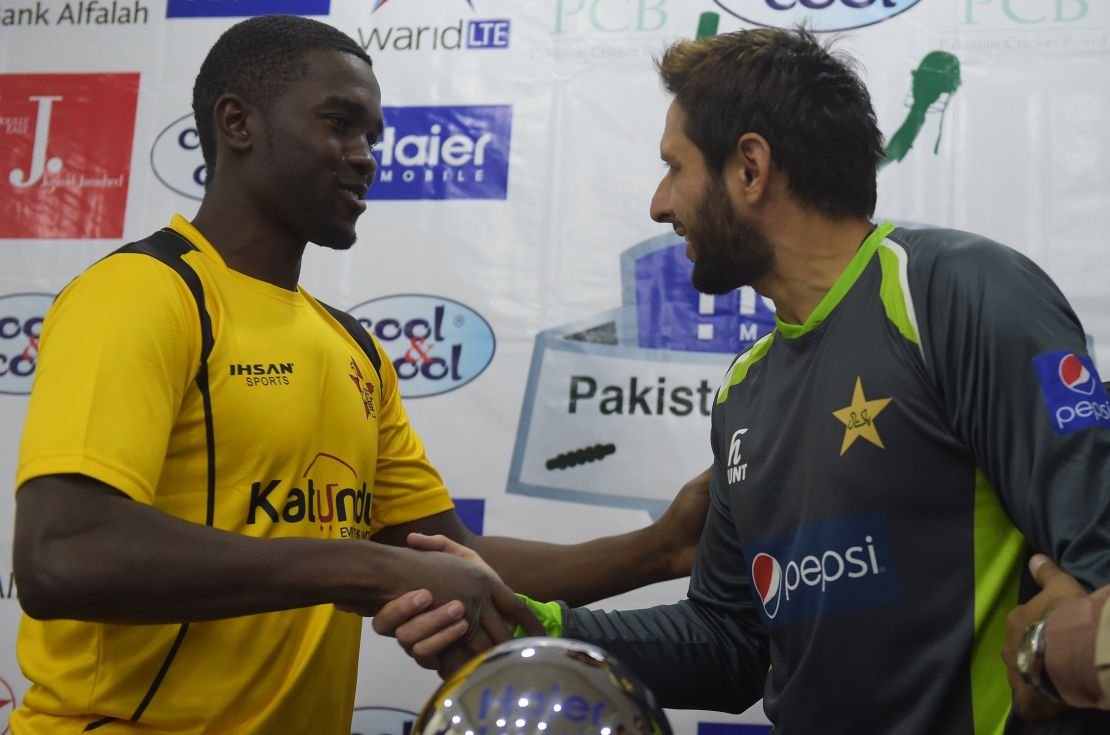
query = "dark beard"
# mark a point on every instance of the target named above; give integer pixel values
(731, 251)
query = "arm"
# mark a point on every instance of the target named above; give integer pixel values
(1073, 660)
(85, 551)
(708, 651)
(589, 571)
(995, 335)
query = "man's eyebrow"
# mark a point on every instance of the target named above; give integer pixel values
(350, 106)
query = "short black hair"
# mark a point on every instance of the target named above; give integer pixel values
(257, 59)
(785, 85)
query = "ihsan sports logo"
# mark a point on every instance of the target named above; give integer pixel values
(1072, 392)
(436, 344)
(838, 565)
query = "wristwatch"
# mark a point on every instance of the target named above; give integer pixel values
(1030, 660)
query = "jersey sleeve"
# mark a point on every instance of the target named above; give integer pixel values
(708, 651)
(118, 349)
(406, 485)
(1010, 364)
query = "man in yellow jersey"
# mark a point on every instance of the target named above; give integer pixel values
(190, 549)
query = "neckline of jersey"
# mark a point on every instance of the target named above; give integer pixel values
(844, 283)
(185, 228)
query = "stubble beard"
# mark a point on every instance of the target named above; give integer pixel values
(731, 251)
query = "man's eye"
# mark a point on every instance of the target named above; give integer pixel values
(340, 122)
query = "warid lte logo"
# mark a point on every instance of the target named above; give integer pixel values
(65, 148)
(623, 384)
(480, 33)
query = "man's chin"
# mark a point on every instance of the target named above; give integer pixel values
(336, 240)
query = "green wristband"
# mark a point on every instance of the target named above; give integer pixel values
(550, 615)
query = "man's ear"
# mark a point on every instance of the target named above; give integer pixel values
(753, 166)
(234, 118)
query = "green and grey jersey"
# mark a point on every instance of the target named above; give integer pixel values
(881, 475)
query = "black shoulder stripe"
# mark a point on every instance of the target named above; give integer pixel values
(169, 247)
(359, 334)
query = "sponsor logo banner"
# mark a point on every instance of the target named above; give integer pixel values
(817, 15)
(176, 158)
(606, 395)
(7, 705)
(243, 8)
(65, 154)
(468, 34)
(21, 318)
(79, 13)
(1073, 393)
(839, 565)
(444, 153)
(382, 721)
(436, 344)
(729, 728)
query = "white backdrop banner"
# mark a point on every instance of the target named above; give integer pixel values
(554, 357)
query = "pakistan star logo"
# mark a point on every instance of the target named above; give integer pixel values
(859, 418)
(365, 388)
(935, 80)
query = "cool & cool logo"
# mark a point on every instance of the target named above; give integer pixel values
(21, 318)
(436, 344)
(176, 159)
(818, 15)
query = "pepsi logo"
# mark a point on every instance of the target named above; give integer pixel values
(1075, 376)
(767, 576)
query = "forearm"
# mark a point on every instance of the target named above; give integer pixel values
(577, 573)
(116, 560)
(689, 656)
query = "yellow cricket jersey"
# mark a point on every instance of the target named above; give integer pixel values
(309, 442)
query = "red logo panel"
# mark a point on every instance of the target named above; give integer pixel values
(65, 154)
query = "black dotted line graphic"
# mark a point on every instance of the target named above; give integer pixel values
(581, 456)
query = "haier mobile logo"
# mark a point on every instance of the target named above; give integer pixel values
(65, 138)
(444, 153)
(176, 158)
(840, 565)
(21, 318)
(1075, 397)
(480, 33)
(243, 8)
(436, 344)
(382, 721)
(817, 15)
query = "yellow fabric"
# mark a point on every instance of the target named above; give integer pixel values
(114, 399)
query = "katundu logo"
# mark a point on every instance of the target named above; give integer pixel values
(817, 15)
(65, 145)
(21, 318)
(436, 344)
(382, 721)
(176, 158)
(243, 8)
(444, 153)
